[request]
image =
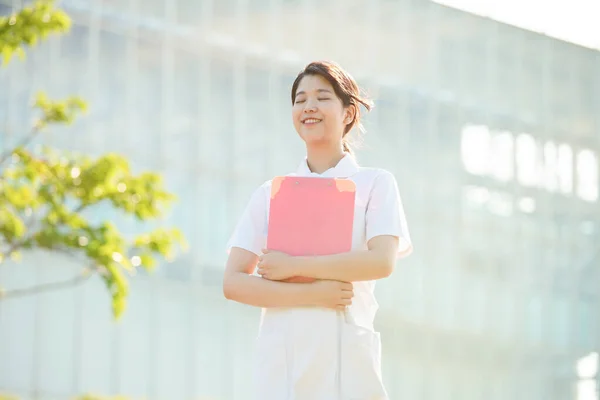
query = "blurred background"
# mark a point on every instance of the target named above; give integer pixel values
(488, 117)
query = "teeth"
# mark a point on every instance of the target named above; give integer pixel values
(311, 121)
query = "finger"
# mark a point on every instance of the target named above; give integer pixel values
(347, 294)
(345, 302)
(265, 251)
(340, 307)
(347, 286)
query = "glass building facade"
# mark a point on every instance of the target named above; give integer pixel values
(492, 132)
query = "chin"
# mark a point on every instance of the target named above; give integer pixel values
(313, 140)
(313, 134)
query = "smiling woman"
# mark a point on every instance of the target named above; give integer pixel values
(323, 86)
(317, 339)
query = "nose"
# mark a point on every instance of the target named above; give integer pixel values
(310, 106)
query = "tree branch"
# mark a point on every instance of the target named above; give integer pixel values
(71, 252)
(11, 249)
(16, 245)
(47, 287)
(26, 140)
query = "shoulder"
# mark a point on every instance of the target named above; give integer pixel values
(260, 194)
(377, 176)
(264, 189)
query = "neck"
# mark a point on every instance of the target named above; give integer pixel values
(321, 159)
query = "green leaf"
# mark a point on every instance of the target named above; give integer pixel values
(12, 226)
(148, 261)
(50, 199)
(30, 24)
(6, 53)
(59, 111)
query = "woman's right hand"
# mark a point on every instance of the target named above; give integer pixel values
(332, 294)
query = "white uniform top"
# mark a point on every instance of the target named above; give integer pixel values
(312, 353)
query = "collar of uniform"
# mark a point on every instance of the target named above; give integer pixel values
(345, 168)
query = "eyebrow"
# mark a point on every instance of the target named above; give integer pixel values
(318, 90)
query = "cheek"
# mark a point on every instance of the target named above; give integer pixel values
(296, 115)
(333, 113)
(334, 119)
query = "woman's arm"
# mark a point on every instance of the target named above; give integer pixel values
(239, 285)
(375, 263)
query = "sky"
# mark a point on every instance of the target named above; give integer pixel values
(574, 21)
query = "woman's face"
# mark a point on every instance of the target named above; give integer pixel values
(319, 115)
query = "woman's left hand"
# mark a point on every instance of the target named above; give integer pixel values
(275, 265)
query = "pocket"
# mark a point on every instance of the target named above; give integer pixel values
(360, 370)
(270, 367)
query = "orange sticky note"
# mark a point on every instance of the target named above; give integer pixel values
(311, 216)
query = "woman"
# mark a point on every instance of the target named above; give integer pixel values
(306, 349)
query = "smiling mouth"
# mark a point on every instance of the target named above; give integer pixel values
(311, 121)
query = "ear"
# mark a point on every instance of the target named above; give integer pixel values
(349, 114)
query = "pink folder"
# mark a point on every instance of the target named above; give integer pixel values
(311, 216)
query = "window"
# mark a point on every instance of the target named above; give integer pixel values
(114, 5)
(190, 12)
(218, 144)
(526, 160)
(390, 123)
(213, 221)
(152, 8)
(148, 93)
(4, 106)
(534, 318)
(183, 113)
(501, 160)
(565, 168)
(110, 108)
(254, 125)
(484, 153)
(561, 323)
(547, 165)
(587, 372)
(5, 9)
(420, 112)
(587, 175)
(75, 44)
(585, 323)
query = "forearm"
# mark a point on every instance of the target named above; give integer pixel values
(348, 267)
(259, 292)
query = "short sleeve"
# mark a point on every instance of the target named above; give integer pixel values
(385, 213)
(250, 232)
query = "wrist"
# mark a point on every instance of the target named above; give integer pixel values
(300, 265)
(312, 293)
